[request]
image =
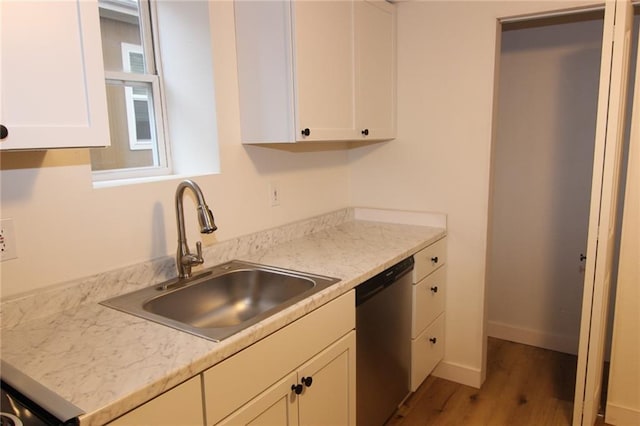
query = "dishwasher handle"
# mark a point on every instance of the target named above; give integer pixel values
(384, 279)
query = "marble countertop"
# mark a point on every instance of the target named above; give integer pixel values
(107, 362)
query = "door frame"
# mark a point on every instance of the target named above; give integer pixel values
(595, 296)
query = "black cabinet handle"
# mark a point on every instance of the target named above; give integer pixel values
(434, 289)
(433, 339)
(582, 257)
(365, 132)
(306, 132)
(4, 132)
(434, 259)
(297, 389)
(307, 381)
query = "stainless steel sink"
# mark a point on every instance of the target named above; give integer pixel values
(222, 300)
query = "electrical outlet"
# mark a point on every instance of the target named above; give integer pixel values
(274, 194)
(7, 240)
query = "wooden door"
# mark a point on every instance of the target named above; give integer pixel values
(610, 126)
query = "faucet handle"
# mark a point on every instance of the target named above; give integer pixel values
(199, 252)
(190, 259)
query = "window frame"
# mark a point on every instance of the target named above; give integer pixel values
(161, 151)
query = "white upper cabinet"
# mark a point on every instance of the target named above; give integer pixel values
(315, 70)
(51, 75)
(375, 69)
(324, 69)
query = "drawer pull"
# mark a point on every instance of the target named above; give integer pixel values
(433, 340)
(306, 132)
(297, 389)
(434, 289)
(434, 259)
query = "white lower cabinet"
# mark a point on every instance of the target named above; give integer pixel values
(303, 374)
(427, 324)
(327, 398)
(426, 352)
(181, 405)
(275, 406)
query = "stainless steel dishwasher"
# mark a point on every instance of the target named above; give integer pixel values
(383, 343)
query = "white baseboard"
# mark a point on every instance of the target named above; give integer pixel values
(621, 416)
(540, 339)
(459, 373)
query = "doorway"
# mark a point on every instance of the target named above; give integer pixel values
(535, 154)
(543, 155)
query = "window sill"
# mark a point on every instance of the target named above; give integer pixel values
(140, 180)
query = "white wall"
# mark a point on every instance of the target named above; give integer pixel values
(66, 229)
(542, 161)
(441, 158)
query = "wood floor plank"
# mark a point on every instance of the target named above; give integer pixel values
(525, 386)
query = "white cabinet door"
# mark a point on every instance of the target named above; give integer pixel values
(315, 70)
(325, 393)
(181, 405)
(324, 69)
(239, 379)
(330, 397)
(275, 406)
(51, 75)
(375, 69)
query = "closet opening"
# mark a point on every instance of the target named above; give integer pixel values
(542, 160)
(543, 155)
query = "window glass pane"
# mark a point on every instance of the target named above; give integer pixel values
(133, 139)
(136, 62)
(120, 26)
(143, 121)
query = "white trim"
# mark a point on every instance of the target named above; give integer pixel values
(541, 339)
(129, 173)
(149, 179)
(621, 416)
(159, 94)
(148, 36)
(459, 373)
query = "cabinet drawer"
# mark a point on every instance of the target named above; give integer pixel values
(428, 300)
(181, 405)
(429, 259)
(426, 351)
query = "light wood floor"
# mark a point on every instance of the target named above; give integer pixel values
(525, 385)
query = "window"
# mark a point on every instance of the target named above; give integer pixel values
(133, 94)
(138, 101)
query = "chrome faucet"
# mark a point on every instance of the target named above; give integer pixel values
(184, 258)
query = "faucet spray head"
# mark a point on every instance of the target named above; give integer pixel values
(206, 220)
